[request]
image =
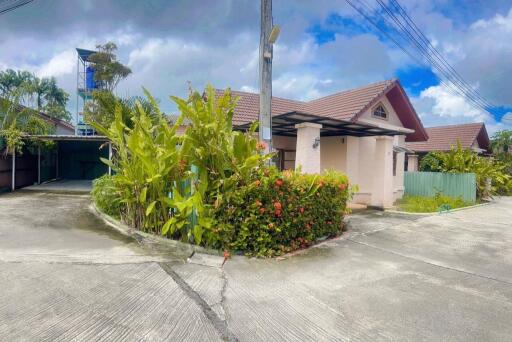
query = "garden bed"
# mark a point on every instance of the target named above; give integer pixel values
(438, 204)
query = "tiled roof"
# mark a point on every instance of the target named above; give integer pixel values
(442, 138)
(346, 106)
(343, 105)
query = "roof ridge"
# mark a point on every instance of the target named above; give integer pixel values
(257, 94)
(460, 124)
(354, 89)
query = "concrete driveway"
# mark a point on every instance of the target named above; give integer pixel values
(65, 276)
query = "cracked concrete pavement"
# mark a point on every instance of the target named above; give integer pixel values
(65, 276)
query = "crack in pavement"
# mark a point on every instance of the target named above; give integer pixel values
(220, 325)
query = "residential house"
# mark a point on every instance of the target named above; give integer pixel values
(442, 138)
(361, 132)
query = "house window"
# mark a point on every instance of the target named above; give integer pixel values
(285, 159)
(380, 112)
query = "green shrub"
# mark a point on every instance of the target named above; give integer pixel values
(106, 196)
(419, 204)
(280, 211)
(459, 160)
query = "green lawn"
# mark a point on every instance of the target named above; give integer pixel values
(418, 204)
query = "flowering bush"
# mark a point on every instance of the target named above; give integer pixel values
(278, 212)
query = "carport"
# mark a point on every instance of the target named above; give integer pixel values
(74, 161)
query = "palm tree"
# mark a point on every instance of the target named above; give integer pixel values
(502, 141)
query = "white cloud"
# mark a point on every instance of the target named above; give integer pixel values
(61, 64)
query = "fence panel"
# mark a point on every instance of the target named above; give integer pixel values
(427, 184)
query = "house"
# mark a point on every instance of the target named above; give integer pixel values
(361, 132)
(442, 138)
(61, 127)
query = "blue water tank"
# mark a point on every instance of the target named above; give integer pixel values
(89, 78)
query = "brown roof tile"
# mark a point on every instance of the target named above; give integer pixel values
(442, 138)
(346, 105)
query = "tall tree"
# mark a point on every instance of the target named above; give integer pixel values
(501, 141)
(108, 71)
(42, 94)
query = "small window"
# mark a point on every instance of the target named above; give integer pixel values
(380, 112)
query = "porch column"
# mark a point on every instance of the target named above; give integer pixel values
(353, 159)
(412, 162)
(382, 195)
(308, 147)
(13, 166)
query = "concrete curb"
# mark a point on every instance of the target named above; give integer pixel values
(436, 212)
(178, 248)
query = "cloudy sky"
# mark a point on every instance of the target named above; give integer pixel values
(324, 47)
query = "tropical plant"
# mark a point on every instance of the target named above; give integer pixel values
(105, 194)
(501, 142)
(201, 187)
(108, 71)
(146, 165)
(459, 160)
(42, 94)
(16, 121)
(101, 110)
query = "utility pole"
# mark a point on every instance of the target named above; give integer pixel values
(269, 34)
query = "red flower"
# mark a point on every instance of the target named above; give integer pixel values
(278, 212)
(261, 145)
(226, 255)
(301, 210)
(342, 186)
(279, 182)
(262, 210)
(308, 226)
(258, 203)
(278, 205)
(329, 222)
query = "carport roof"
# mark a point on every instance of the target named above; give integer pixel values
(284, 124)
(70, 137)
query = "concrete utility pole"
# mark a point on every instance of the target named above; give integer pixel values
(268, 36)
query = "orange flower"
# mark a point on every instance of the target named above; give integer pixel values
(261, 145)
(257, 182)
(342, 186)
(262, 210)
(278, 212)
(278, 205)
(258, 203)
(279, 182)
(226, 255)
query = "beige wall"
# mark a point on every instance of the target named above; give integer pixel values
(392, 116)
(333, 153)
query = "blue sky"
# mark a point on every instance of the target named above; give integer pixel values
(324, 47)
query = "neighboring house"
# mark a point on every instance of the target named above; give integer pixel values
(61, 127)
(442, 138)
(361, 132)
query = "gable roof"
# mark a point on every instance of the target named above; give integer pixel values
(347, 105)
(442, 138)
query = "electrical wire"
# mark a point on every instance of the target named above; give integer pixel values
(411, 34)
(14, 4)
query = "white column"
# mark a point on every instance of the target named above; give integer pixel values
(307, 155)
(13, 178)
(382, 194)
(353, 159)
(412, 162)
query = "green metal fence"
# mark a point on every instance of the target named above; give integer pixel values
(427, 184)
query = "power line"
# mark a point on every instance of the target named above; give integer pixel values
(411, 34)
(434, 53)
(422, 36)
(12, 5)
(458, 86)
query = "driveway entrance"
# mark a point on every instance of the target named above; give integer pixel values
(66, 276)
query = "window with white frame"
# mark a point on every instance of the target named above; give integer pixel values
(380, 112)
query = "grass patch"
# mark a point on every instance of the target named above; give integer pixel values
(419, 204)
